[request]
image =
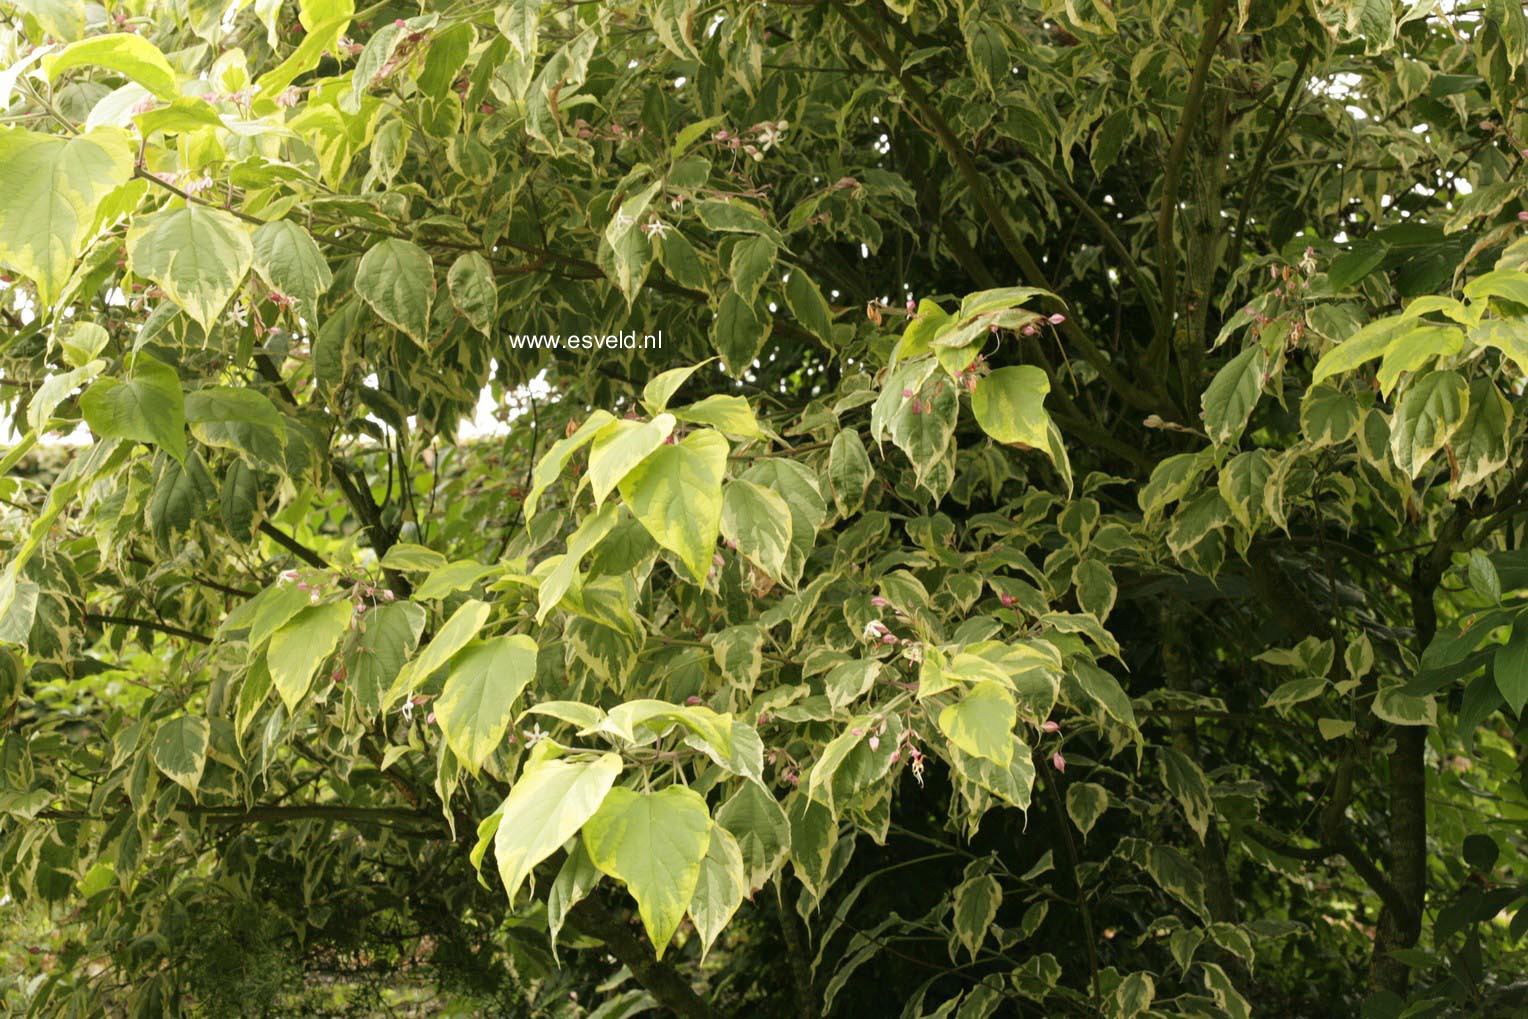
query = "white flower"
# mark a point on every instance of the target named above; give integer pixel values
(654, 228)
(533, 735)
(875, 630)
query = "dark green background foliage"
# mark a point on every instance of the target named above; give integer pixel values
(1065, 557)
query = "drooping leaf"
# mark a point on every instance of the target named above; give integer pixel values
(53, 187)
(475, 707)
(197, 255)
(180, 750)
(655, 844)
(548, 804)
(397, 279)
(677, 495)
(144, 406)
(300, 647)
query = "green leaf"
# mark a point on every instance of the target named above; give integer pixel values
(677, 495)
(1085, 804)
(299, 647)
(386, 636)
(572, 885)
(519, 21)
(1232, 394)
(808, 307)
(1481, 444)
(720, 889)
(1104, 690)
(758, 522)
(797, 485)
(547, 806)
(1134, 995)
(1185, 780)
(662, 387)
(1483, 578)
(763, 832)
(1010, 405)
(473, 290)
(198, 256)
(738, 333)
(288, 258)
(1509, 283)
(1427, 415)
(53, 187)
(849, 472)
(1351, 266)
(239, 419)
(1242, 483)
(129, 54)
(1412, 349)
(180, 750)
(1365, 345)
(62, 19)
(620, 447)
(752, 259)
(145, 406)
(1510, 666)
(463, 625)
(728, 414)
(981, 723)
(54, 390)
(397, 279)
(1400, 708)
(1328, 415)
(477, 703)
(1508, 335)
(655, 844)
(550, 466)
(976, 904)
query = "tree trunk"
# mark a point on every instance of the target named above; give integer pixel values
(594, 919)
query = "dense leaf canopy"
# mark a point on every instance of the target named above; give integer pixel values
(792, 508)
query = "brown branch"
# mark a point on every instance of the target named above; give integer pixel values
(147, 624)
(293, 546)
(996, 215)
(1167, 247)
(594, 919)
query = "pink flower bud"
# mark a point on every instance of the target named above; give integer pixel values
(1523, 216)
(879, 602)
(1008, 600)
(398, 23)
(896, 755)
(1057, 319)
(917, 406)
(1058, 762)
(429, 719)
(890, 638)
(692, 700)
(875, 742)
(290, 576)
(1051, 726)
(907, 394)
(1029, 330)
